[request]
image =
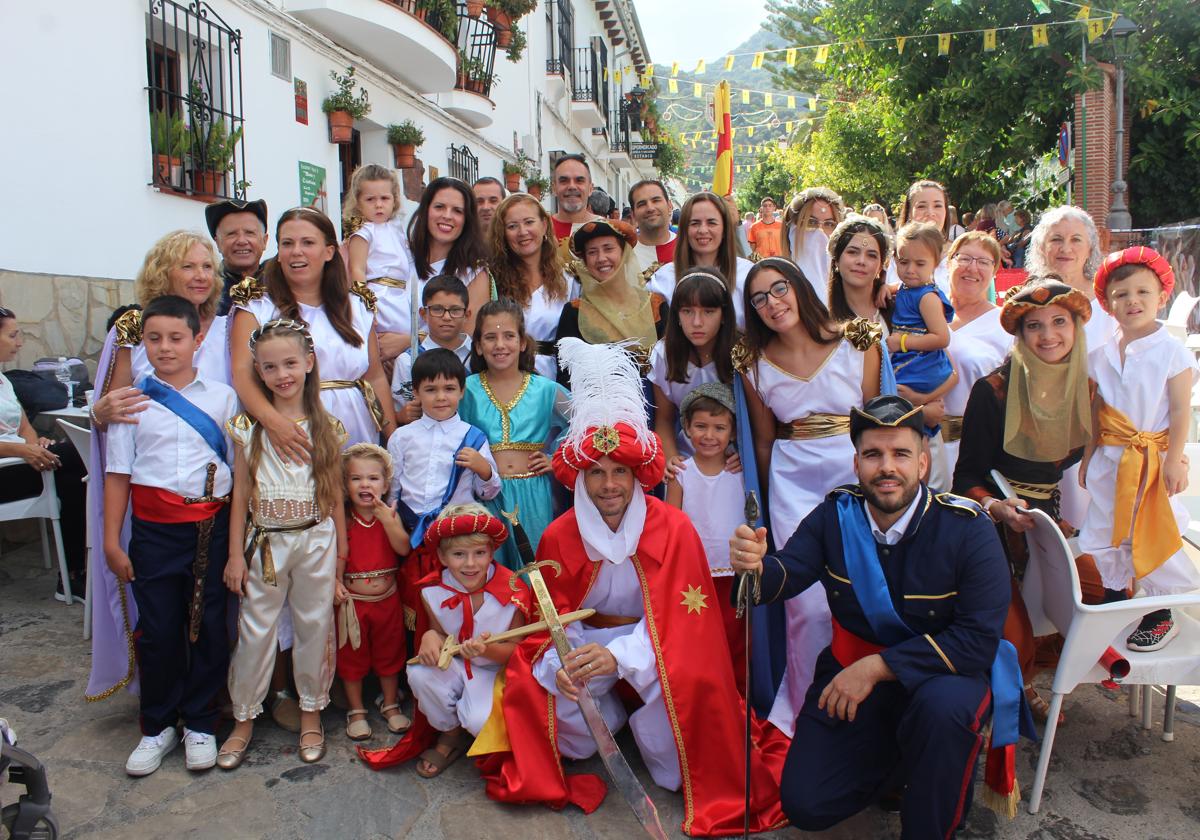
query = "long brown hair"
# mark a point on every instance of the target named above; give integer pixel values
(508, 269)
(335, 282)
(839, 308)
(503, 306)
(326, 458)
(704, 288)
(906, 210)
(726, 253)
(814, 317)
(466, 254)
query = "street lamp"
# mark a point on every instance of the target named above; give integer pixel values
(1118, 214)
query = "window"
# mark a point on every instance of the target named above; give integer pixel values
(462, 164)
(281, 57)
(194, 87)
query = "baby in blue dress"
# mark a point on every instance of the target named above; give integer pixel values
(921, 315)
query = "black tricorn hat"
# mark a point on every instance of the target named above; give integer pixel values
(887, 411)
(218, 210)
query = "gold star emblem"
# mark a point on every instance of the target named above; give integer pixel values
(694, 600)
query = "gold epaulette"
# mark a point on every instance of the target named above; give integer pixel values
(649, 272)
(351, 225)
(850, 489)
(247, 289)
(241, 422)
(129, 328)
(742, 358)
(862, 333)
(959, 504)
(368, 297)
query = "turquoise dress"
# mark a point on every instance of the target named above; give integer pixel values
(528, 424)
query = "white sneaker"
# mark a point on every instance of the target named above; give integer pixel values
(148, 755)
(200, 750)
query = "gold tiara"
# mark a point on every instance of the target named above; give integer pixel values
(285, 324)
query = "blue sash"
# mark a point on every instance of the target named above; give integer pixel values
(188, 412)
(416, 523)
(887, 376)
(1010, 713)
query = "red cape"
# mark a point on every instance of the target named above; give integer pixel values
(696, 671)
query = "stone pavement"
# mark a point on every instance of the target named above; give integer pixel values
(1108, 778)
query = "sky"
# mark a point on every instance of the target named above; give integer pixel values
(687, 30)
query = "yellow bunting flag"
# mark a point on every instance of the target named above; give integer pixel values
(758, 61)
(699, 71)
(944, 44)
(791, 57)
(728, 62)
(822, 55)
(673, 85)
(732, 133)
(1041, 36)
(617, 77)
(1095, 29)
(768, 100)
(1084, 13)
(787, 126)
(749, 131)
(606, 74)
(812, 103)
(900, 42)
(674, 68)
(989, 40)
(791, 102)
(697, 90)
(745, 96)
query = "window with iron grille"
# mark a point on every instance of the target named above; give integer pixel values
(194, 85)
(462, 164)
(560, 35)
(281, 57)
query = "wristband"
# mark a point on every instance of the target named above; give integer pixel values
(987, 504)
(903, 342)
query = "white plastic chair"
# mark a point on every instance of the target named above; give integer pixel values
(1177, 316)
(1054, 599)
(43, 507)
(81, 439)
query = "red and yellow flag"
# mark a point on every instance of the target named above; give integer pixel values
(723, 175)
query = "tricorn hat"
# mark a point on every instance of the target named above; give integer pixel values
(887, 411)
(218, 210)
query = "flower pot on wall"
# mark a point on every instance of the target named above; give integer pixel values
(474, 8)
(341, 127)
(503, 38)
(534, 190)
(503, 23)
(512, 181)
(209, 182)
(405, 155)
(167, 170)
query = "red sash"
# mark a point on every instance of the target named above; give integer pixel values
(153, 504)
(848, 648)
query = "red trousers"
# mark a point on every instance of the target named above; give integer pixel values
(382, 651)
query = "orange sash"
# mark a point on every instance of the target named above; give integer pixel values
(1155, 534)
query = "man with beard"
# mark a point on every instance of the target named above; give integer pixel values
(652, 216)
(489, 192)
(918, 586)
(240, 230)
(572, 183)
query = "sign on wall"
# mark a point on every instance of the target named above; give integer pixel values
(301, 89)
(643, 151)
(312, 187)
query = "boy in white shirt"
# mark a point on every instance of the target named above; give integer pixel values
(173, 466)
(445, 307)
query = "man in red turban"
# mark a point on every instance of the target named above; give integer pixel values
(640, 564)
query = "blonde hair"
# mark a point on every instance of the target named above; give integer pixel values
(508, 270)
(470, 540)
(364, 173)
(154, 277)
(370, 452)
(798, 212)
(924, 233)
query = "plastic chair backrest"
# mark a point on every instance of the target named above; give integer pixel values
(1181, 310)
(1050, 558)
(81, 439)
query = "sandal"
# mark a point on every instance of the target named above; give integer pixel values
(1039, 706)
(397, 721)
(311, 754)
(358, 730)
(228, 759)
(457, 745)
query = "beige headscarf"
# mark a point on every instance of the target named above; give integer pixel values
(1047, 412)
(618, 308)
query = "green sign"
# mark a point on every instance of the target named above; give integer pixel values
(312, 186)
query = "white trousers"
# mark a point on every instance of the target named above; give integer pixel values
(448, 699)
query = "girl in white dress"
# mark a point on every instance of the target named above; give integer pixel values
(706, 239)
(307, 282)
(809, 221)
(377, 253)
(802, 372)
(527, 267)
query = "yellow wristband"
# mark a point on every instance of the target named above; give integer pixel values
(903, 342)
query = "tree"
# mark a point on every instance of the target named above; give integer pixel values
(771, 179)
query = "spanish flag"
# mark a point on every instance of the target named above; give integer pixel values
(723, 176)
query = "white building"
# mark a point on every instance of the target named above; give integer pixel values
(85, 196)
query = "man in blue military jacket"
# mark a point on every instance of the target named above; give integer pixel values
(919, 587)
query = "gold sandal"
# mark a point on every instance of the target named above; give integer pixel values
(358, 730)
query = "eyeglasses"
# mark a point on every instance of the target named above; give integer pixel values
(438, 311)
(779, 289)
(967, 260)
(828, 225)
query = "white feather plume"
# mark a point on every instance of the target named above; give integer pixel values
(606, 389)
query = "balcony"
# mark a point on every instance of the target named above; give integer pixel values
(618, 140)
(394, 34)
(586, 89)
(470, 100)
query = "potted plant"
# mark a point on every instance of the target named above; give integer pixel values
(504, 14)
(168, 142)
(516, 44)
(343, 107)
(405, 137)
(536, 184)
(474, 8)
(212, 155)
(460, 80)
(478, 79)
(512, 176)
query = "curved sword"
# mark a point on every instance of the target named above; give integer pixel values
(614, 762)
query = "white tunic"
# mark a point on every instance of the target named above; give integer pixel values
(388, 257)
(211, 360)
(1138, 389)
(664, 282)
(335, 360)
(714, 503)
(802, 473)
(10, 413)
(541, 323)
(976, 349)
(676, 391)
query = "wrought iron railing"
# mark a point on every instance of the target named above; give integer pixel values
(560, 20)
(462, 163)
(476, 53)
(585, 76)
(618, 131)
(194, 70)
(432, 14)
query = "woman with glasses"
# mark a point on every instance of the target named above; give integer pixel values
(803, 372)
(527, 267)
(707, 239)
(808, 222)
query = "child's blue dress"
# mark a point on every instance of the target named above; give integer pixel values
(921, 370)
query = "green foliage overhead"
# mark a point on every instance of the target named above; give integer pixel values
(770, 177)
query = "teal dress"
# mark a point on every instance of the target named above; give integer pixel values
(529, 424)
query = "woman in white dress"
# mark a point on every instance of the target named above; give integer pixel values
(802, 373)
(808, 224)
(307, 281)
(707, 239)
(527, 267)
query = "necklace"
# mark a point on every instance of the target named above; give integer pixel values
(362, 521)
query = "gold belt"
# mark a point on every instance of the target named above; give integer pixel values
(600, 621)
(814, 426)
(512, 476)
(951, 428)
(518, 446)
(260, 545)
(390, 282)
(377, 573)
(368, 395)
(1031, 490)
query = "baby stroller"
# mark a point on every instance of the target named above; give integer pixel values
(28, 818)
